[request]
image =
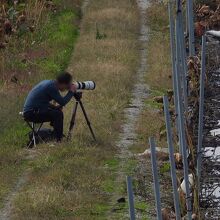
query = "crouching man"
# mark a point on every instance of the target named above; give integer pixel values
(38, 107)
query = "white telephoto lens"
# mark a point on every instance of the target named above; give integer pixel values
(87, 85)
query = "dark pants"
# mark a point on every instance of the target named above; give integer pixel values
(54, 116)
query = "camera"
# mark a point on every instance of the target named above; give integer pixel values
(87, 85)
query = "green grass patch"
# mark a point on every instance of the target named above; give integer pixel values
(112, 164)
(165, 168)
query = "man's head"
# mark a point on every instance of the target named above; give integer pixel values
(64, 81)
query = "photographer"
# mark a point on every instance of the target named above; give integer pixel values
(37, 107)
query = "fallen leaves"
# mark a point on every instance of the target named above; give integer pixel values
(168, 214)
(207, 18)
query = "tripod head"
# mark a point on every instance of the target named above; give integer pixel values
(78, 96)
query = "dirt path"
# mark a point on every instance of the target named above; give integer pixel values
(140, 92)
(6, 211)
(128, 135)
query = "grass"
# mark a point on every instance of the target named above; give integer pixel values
(56, 39)
(63, 183)
(159, 63)
(158, 75)
(76, 180)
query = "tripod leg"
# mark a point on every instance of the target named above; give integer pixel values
(72, 122)
(87, 120)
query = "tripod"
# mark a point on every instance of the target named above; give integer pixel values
(78, 97)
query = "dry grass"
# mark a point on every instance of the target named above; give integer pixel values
(111, 62)
(151, 122)
(159, 62)
(65, 183)
(159, 71)
(71, 181)
(150, 125)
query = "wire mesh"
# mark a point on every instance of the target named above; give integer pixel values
(210, 175)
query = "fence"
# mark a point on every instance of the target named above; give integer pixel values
(196, 190)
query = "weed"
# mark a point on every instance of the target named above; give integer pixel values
(99, 36)
(165, 168)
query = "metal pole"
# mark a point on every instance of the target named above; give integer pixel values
(178, 5)
(184, 56)
(183, 147)
(201, 107)
(155, 177)
(130, 198)
(191, 27)
(173, 57)
(186, 19)
(184, 66)
(182, 53)
(171, 156)
(177, 73)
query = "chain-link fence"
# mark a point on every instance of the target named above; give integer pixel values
(210, 175)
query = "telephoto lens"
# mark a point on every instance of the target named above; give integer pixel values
(87, 85)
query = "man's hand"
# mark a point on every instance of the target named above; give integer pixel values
(73, 88)
(59, 107)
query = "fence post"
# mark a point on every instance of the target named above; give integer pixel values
(178, 5)
(173, 57)
(171, 156)
(184, 56)
(130, 198)
(182, 137)
(178, 90)
(190, 19)
(180, 40)
(201, 107)
(155, 177)
(184, 149)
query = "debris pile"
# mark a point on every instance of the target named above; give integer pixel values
(194, 69)
(207, 18)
